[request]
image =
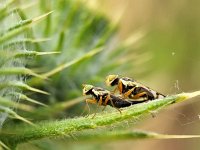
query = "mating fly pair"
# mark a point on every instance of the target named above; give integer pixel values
(131, 92)
(104, 97)
(132, 89)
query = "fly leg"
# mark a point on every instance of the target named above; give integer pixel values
(99, 104)
(100, 101)
(153, 114)
(126, 94)
(91, 101)
(120, 87)
(139, 95)
(114, 106)
(106, 101)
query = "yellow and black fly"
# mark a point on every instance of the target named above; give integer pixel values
(131, 89)
(104, 97)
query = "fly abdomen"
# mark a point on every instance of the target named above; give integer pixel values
(121, 103)
(145, 94)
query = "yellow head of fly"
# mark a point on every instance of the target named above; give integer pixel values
(87, 88)
(111, 79)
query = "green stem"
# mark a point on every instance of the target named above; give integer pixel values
(63, 127)
(127, 134)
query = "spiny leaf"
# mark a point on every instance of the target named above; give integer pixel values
(10, 55)
(33, 53)
(21, 9)
(35, 40)
(3, 10)
(21, 27)
(24, 97)
(63, 127)
(127, 134)
(9, 103)
(4, 145)
(6, 12)
(19, 70)
(13, 114)
(68, 64)
(26, 40)
(21, 85)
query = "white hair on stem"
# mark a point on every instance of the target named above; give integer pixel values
(6, 23)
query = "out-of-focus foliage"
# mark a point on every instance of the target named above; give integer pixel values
(172, 42)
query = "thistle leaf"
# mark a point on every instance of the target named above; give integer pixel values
(13, 114)
(22, 86)
(24, 97)
(26, 40)
(21, 27)
(33, 53)
(68, 126)
(4, 146)
(68, 64)
(19, 70)
(9, 103)
(3, 10)
(127, 135)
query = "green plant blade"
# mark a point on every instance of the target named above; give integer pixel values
(68, 64)
(33, 53)
(4, 146)
(24, 97)
(26, 40)
(6, 12)
(63, 127)
(9, 103)
(127, 135)
(13, 114)
(21, 85)
(3, 10)
(19, 70)
(19, 28)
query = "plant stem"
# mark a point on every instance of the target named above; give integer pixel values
(63, 127)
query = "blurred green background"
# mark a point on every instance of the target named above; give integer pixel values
(172, 40)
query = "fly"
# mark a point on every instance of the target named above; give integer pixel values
(130, 88)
